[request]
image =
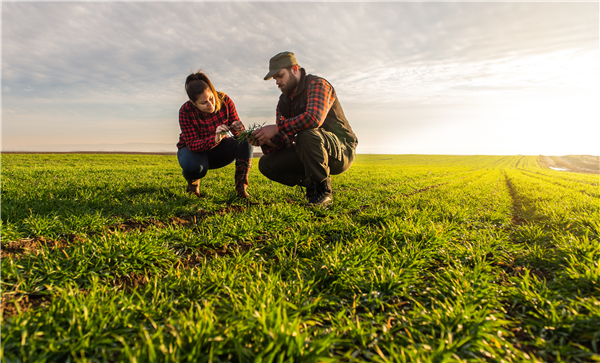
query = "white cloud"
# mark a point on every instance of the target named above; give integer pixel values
(127, 60)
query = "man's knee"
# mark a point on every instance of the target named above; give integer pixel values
(269, 166)
(280, 168)
(264, 166)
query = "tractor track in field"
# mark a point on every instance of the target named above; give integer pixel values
(584, 182)
(511, 268)
(516, 222)
(544, 178)
(499, 161)
(417, 191)
(517, 203)
(406, 195)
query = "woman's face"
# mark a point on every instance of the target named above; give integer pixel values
(206, 102)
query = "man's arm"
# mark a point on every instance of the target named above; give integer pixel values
(268, 137)
(320, 98)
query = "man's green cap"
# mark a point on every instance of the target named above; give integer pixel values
(280, 61)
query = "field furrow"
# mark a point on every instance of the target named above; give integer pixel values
(567, 184)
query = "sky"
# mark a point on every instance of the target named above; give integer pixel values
(499, 78)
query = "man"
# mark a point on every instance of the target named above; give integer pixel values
(312, 138)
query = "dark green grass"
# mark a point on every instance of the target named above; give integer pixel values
(419, 258)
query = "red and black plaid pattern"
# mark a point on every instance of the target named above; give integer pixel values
(242, 170)
(320, 98)
(198, 128)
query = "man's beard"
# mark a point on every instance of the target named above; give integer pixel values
(289, 88)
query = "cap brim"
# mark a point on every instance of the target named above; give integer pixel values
(271, 74)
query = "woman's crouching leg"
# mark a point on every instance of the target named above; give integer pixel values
(194, 167)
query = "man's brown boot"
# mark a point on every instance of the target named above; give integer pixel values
(242, 169)
(194, 187)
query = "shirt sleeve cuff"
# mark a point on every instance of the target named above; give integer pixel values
(285, 139)
(279, 143)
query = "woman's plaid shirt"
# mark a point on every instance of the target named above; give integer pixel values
(320, 98)
(198, 128)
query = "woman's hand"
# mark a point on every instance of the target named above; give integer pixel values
(221, 133)
(254, 142)
(237, 126)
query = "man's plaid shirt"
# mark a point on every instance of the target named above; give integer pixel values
(198, 128)
(320, 98)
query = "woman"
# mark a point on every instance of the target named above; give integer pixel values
(205, 121)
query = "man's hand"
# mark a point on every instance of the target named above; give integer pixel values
(221, 132)
(237, 126)
(263, 135)
(252, 141)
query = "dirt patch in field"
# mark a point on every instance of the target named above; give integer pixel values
(11, 305)
(185, 220)
(131, 281)
(130, 225)
(522, 338)
(575, 163)
(19, 247)
(197, 256)
(221, 212)
(32, 245)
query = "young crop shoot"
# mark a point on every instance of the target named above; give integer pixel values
(248, 134)
(245, 135)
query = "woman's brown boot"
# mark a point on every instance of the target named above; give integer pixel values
(194, 187)
(242, 169)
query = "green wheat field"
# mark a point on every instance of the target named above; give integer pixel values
(105, 258)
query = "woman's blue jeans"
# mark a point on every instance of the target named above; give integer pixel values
(196, 165)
